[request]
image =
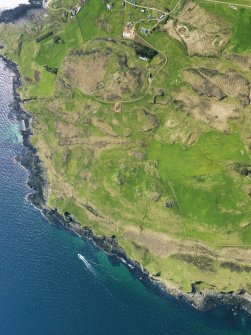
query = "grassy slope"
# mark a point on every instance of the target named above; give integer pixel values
(209, 201)
(240, 20)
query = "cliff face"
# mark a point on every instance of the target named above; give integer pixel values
(148, 157)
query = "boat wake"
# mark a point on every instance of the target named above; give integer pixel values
(87, 264)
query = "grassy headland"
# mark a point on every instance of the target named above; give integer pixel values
(147, 139)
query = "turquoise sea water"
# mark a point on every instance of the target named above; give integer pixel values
(46, 290)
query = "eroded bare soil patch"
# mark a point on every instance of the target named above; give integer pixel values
(212, 83)
(107, 71)
(203, 33)
(215, 113)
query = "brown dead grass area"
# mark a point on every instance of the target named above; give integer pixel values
(66, 130)
(122, 84)
(196, 16)
(56, 104)
(197, 28)
(184, 136)
(240, 255)
(158, 244)
(244, 61)
(104, 25)
(37, 75)
(201, 84)
(146, 121)
(180, 130)
(104, 126)
(214, 113)
(212, 83)
(97, 144)
(231, 81)
(233, 84)
(162, 245)
(94, 214)
(86, 72)
(169, 27)
(61, 187)
(98, 141)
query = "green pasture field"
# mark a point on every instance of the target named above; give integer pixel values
(201, 176)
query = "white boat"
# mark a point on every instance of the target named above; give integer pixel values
(87, 264)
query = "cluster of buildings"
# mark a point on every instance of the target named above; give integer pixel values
(129, 31)
(75, 11)
(78, 8)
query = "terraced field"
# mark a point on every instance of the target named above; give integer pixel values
(147, 139)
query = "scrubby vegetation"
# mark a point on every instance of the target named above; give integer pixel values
(148, 140)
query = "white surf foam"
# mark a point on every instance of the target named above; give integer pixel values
(9, 4)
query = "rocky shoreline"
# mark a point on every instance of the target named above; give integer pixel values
(15, 14)
(37, 182)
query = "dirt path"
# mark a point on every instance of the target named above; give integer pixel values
(149, 8)
(228, 3)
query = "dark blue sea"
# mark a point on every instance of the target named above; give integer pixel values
(46, 290)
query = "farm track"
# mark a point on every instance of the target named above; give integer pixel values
(228, 3)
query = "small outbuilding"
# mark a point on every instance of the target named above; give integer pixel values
(129, 31)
